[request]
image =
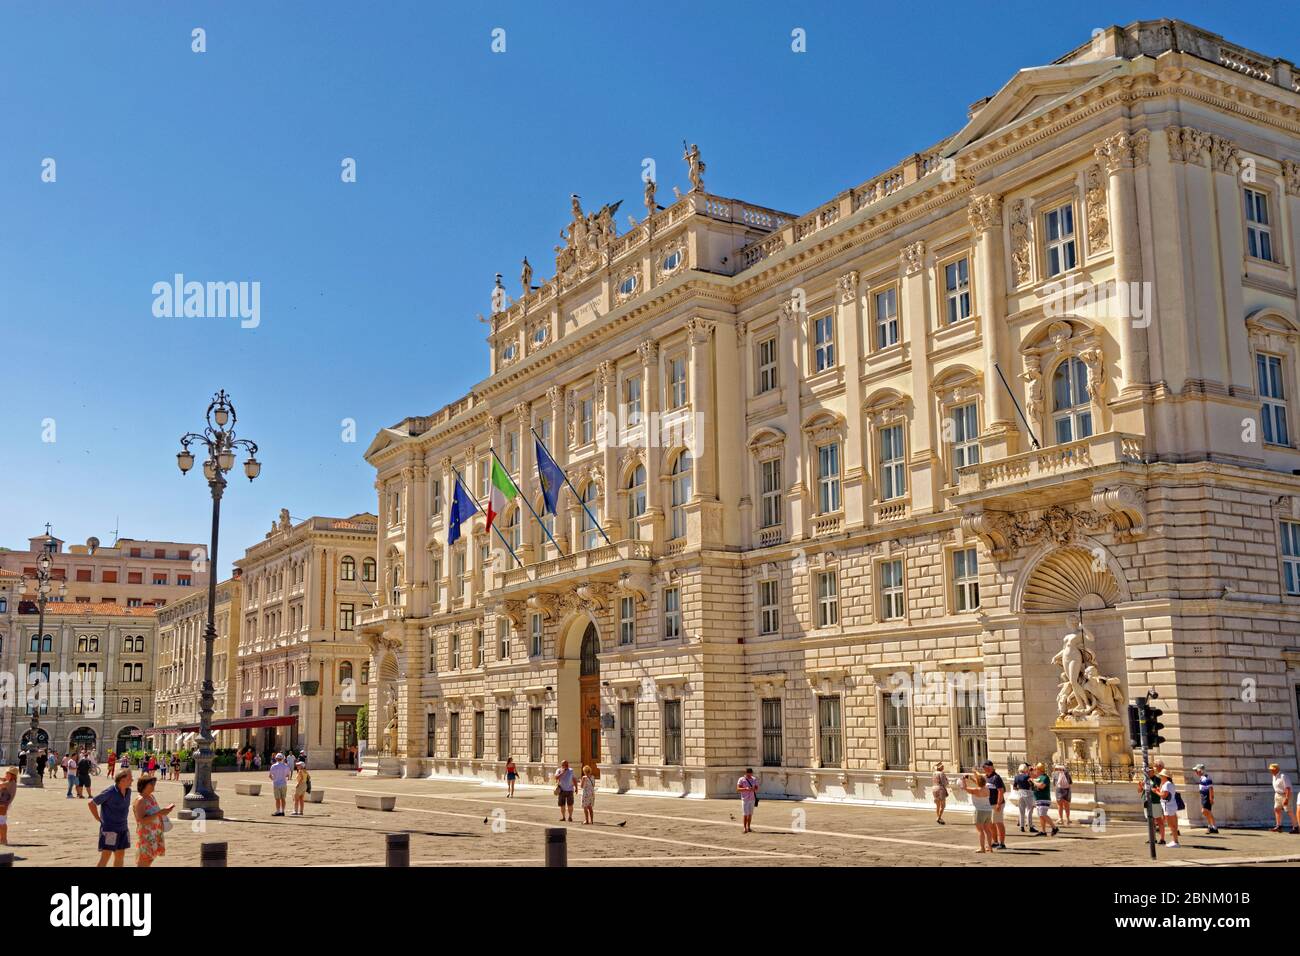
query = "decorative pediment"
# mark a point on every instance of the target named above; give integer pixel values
(767, 443)
(957, 386)
(1272, 332)
(824, 426)
(768, 685)
(827, 680)
(887, 405)
(671, 686)
(626, 688)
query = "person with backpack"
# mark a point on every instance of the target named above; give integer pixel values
(1062, 780)
(1024, 791)
(1170, 804)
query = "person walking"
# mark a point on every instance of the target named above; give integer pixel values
(8, 790)
(84, 766)
(511, 776)
(1153, 799)
(997, 804)
(70, 772)
(151, 822)
(564, 784)
(301, 784)
(1024, 791)
(747, 787)
(1063, 782)
(1282, 799)
(279, 774)
(111, 810)
(587, 786)
(939, 791)
(977, 787)
(1169, 806)
(1042, 784)
(1206, 787)
(112, 761)
(52, 765)
(41, 759)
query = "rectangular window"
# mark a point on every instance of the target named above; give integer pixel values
(632, 401)
(110, 577)
(1291, 556)
(453, 737)
(828, 478)
(770, 510)
(480, 732)
(965, 438)
(626, 621)
(586, 421)
(430, 734)
(534, 635)
(132, 577)
(503, 639)
(1058, 230)
(956, 284)
(627, 732)
(767, 365)
(535, 734)
(824, 342)
(672, 613)
(893, 470)
(966, 579)
(347, 616)
(512, 452)
(897, 724)
(891, 590)
(435, 495)
(1272, 396)
(435, 581)
(1259, 233)
(503, 733)
(972, 730)
(676, 382)
(183, 580)
(455, 652)
(433, 654)
(85, 574)
(830, 732)
(672, 732)
(773, 743)
(478, 647)
(769, 607)
(828, 598)
(886, 318)
(484, 478)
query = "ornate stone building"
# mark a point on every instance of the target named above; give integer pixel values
(862, 469)
(302, 589)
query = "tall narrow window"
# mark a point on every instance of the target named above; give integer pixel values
(347, 616)
(435, 496)
(1291, 556)
(626, 621)
(830, 730)
(1071, 411)
(534, 635)
(1272, 399)
(773, 741)
(348, 568)
(503, 639)
(586, 421)
(480, 735)
(455, 652)
(972, 730)
(632, 401)
(514, 529)
(478, 647)
(891, 590)
(828, 598)
(828, 478)
(767, 379)
(672, 732)
(681, 490)
(956, 282)
(1259, 234)
(672, 613)
(512, 452)
(1058, 230)
(484, 478)
(769, 607)
(886, 318)
(676, 382)
(893, 468)
(534, 734)
(824, 342)
(453, 736)
(627, 732)
(635, 501)
(431, 735)
(587, 517)
(897, 730)
(503, 733)
(966, 579)
(965, 438)
(770, 510)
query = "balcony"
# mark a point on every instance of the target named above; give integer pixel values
(1050, 466)
(605, 562)
(376, 617)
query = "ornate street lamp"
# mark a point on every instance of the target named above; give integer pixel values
(220, 443)
(44, 583)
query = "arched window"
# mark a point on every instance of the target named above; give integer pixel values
(345, 672)
(548, 519)
(681, 494)
(44, 645)
(513, 529)
(348, 568)
(368, 569)
(635, 499)
(590, 536)
(1071, 407)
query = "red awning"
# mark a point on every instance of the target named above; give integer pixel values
(229, 723)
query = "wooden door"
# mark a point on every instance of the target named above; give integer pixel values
(589, 700)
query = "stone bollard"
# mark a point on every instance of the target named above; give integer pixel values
(557, 847)
(398, 849)
(6, 859)
(212, 854)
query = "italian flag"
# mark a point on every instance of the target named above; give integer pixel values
(503, 490)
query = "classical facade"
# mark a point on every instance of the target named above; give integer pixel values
(298, 652)
(953, 464)
(179, 671)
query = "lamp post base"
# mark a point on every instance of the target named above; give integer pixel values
(201, 808)
(32, 780)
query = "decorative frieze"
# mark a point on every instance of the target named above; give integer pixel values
(1098, 215)
(1291, 177)
(1020, 241)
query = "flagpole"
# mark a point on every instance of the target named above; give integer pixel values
(565, 476)
(481, 508)
(524, 498)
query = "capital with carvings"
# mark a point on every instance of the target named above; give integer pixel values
(984, 212)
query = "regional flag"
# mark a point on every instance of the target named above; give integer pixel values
(462, 506)
(502, 491)
(550, 476)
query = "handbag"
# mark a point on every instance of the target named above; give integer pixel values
(1178, 801)
(167, 825)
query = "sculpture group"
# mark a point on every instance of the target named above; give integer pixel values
(1084, 692)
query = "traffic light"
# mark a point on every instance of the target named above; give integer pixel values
(1153, 727)
(1134, 726)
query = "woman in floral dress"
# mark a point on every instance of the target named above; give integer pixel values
(149, 817)
(587, 786)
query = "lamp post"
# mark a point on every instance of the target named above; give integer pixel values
(219, 440)
(44, 585)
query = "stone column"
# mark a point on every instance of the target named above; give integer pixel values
(1001, 435)
(531, 537)
(1121, 154)
(923, 473)
(559, 449)
(704, 506)
(607, 437)
(448, 492)
(652, 521)
(850, 329)
(790, 334)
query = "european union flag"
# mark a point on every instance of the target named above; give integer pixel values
(462, 506)
(550, 476)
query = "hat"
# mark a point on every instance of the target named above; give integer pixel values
(1199, 766)
(12, 770)
(1274, 766)
(1166, 774)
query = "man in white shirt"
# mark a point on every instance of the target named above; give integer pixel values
(279, 774)
(1282, 799)
(564, 786)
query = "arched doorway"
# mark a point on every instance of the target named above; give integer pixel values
(81, 737)
(589, 698)
(130, 738)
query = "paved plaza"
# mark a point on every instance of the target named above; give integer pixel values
(457, 824)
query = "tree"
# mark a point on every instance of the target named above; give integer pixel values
(363, 722)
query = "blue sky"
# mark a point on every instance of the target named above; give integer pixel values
(225, 166)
